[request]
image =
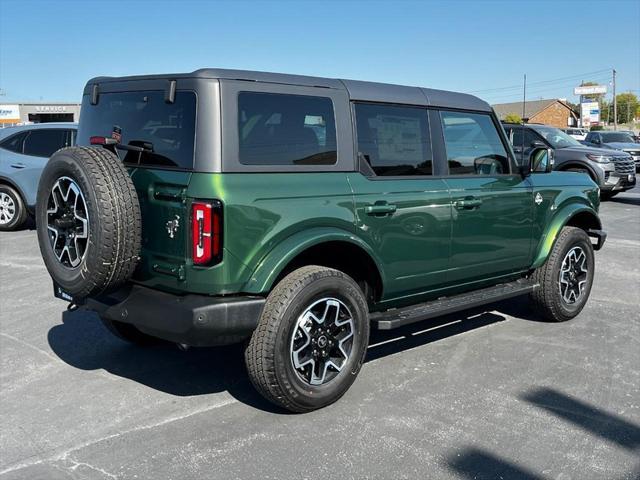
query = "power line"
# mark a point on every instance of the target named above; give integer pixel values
(542, 82)
(532, 92)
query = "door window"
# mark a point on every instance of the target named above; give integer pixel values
(277, 129)
(43, 143)
(529, 138)
(14, 143)
(473, 144)
(394, 140)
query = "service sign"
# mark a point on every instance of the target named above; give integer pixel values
(590, 90)
(9, 113)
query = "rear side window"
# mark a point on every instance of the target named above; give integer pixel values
(143, 118)
(473, 144)
(394, 140)
(14, 143)
(276, 129)
(43, 143)
(529, 137)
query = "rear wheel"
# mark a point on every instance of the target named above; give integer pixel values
(566, 278)
(310, 341)
(13, 212)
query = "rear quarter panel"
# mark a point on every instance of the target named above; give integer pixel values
(263, 211)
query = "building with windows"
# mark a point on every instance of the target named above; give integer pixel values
(554, 112)
(27, 112)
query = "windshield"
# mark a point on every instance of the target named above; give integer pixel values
(620, 137)
(557, 138)
(144, 118)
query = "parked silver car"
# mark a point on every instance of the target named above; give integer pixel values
(615, 140)
(24, 151)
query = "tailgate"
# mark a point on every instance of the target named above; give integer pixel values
(165, 221)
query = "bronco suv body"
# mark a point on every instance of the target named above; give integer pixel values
(295, 212)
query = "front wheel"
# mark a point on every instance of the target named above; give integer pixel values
(310, 341)
(566, 278)
(13, 212)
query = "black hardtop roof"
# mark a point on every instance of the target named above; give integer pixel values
(356, 89)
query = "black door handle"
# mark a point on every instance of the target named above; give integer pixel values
(380, 209)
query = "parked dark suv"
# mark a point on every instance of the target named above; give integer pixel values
(613, 170)
(295, 213)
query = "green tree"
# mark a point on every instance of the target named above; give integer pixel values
(513, 118)
(627, 107)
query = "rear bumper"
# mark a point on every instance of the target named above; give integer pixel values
(195, 320)
(600, 237)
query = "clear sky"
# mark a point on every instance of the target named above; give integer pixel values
(49, 49)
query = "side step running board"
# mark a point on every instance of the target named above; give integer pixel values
(395, 318)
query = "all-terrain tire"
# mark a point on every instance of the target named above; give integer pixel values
(18, 214)
(113, 211)
(268, 354)
(129, 333)
(548, 300)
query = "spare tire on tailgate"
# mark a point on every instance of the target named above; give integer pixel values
(88, 221)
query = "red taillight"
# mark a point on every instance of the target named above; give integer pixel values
(102, 141)
(206, 232)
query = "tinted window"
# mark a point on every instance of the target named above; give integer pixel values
(394, 140)
(277, 129)
(473, 144)
(43, 143)
(144, 119)
(529, 137)
(617, 137)
(14, 143)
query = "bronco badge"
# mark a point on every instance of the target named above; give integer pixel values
(172, 226)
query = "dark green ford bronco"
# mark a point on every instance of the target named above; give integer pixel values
(295, 213)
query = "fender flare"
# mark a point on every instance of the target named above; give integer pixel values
(564, 167)
(274, 262)
(562, 217)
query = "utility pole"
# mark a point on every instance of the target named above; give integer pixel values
(615, 103)
(524, 97)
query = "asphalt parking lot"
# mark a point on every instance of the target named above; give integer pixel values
(490, 393)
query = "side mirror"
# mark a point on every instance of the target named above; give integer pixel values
(541, 160)
(538, 144)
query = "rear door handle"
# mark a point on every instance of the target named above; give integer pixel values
(18, 165)
(468, 203)
(380, 209)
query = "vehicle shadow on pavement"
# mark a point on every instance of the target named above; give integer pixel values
(594, 420)
(84, 343)
(627, 200)
(478, 464)
(474, 463)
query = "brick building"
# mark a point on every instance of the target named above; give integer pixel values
(549, 112)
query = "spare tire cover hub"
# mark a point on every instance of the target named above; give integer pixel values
(68, 222)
